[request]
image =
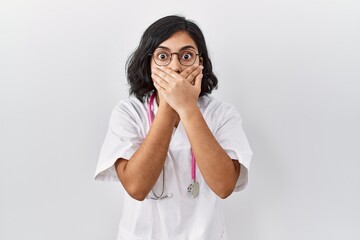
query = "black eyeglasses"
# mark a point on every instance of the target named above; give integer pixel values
(162, 57)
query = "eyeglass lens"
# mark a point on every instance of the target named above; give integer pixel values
(163, 57)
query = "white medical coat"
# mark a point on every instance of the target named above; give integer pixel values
(178, 217)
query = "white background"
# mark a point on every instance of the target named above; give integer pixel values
(291, 68)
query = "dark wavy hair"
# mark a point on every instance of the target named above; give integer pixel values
(138, 65)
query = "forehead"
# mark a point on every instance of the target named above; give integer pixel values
(178, 40)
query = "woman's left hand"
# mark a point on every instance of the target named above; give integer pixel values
(177, 91)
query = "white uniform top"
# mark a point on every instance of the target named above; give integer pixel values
(180, 216)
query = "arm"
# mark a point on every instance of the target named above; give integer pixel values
(139, 174)
(218, 169)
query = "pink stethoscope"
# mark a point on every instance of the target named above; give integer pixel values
(193, 188)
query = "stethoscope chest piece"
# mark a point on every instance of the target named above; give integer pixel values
(193, 189)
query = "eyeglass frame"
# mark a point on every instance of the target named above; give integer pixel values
(171, 54)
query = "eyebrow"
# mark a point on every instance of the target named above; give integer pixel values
(185, 47)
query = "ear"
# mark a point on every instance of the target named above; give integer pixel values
(201, 61)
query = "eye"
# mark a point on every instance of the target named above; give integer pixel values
(162, 56)
(187, 56)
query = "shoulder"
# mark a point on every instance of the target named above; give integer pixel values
(131, 107)
(129, 104)
(130, 110)
(210, 106)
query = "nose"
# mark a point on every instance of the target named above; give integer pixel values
(175, 64)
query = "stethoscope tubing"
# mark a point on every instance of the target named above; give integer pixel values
(193, 160)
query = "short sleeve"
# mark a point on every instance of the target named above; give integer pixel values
(122, 140)
(231, 137)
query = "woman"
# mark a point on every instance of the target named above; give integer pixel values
(176, 150)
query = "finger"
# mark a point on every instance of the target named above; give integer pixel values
(158, 72)
(159, 81)
(160, 90)
(187, 71)
(168, 72)
(193, 75)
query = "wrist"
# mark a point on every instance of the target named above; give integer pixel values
(187, 111)
(168, 111)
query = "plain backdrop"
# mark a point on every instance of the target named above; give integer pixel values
(291, 68)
